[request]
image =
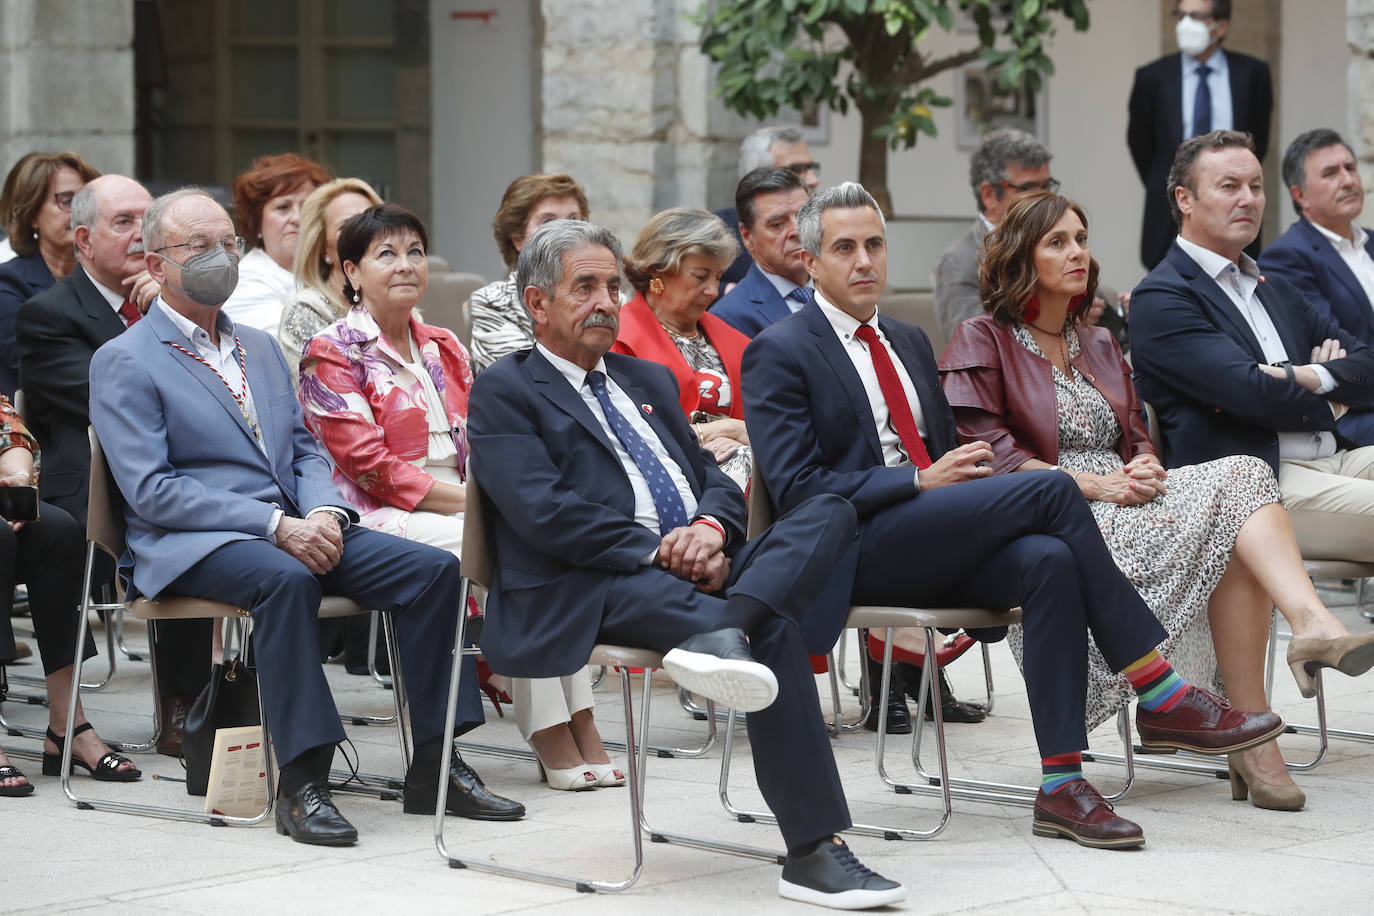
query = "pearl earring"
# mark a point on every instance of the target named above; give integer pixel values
(357, 296)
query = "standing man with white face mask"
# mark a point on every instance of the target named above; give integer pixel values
(1194, 92)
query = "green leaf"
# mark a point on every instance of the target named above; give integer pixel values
(945, 16)
(1029, 8)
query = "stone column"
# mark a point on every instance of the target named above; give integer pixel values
(625, 108)
(1360, 115)
(70, 80)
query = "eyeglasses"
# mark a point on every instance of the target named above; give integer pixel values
(235, 245)
(1049, 184)
(1203, 18)
(801, 168)
(63, 199)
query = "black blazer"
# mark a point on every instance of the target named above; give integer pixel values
(1155, 130)
(564, 520)
(20, 280)
(1196, 361)
(809, 419)
(59, 331)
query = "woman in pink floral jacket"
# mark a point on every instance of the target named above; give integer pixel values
(387, 397)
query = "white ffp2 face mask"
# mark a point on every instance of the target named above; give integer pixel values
(1193, 36)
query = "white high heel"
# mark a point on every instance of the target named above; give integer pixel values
(607, 774)
(572, 779)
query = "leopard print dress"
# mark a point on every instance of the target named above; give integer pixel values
(1173, 549)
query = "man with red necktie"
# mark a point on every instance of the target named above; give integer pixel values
(845, 401)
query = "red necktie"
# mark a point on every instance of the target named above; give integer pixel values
(130, 313)
(897, 404)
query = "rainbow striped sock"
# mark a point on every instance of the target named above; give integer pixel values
(1158, 686)
(1058, 771)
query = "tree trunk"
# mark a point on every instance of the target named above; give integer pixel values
(873, 157)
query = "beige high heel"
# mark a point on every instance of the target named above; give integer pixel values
(1262, 794)
(1350, 655)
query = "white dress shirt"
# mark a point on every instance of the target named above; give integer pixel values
(1218, 81)
(1355, 256)
(784, 286)
(1240, 284)
(261, 293)
(845, 326)
(646, 513)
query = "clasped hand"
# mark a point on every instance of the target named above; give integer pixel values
(695, 553)
(1139, 481)
(315, 541)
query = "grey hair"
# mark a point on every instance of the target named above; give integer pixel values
(756, 151)
(847, 196)
(153, 234)
(1295, 158)
(998, 151)
(85, 208)
(541, 260)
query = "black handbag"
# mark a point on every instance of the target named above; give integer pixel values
(229, 700)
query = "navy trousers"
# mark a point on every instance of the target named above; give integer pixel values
(799, 558)
(417, 584)
(1025, 539)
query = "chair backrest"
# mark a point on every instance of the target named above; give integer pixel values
(478, 553)
(917, 309)
(104, 504)
(760, 504)
(1152, 424)
(446, 302)
(19, 405)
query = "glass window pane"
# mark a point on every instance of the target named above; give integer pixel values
(369, 156)
(263, 18)
(360, 86)
(250, 144)
(359, 18)
(265, 83)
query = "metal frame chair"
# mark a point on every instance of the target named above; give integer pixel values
(478, 564)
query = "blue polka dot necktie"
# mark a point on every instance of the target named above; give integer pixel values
(667, 500)
(801, 294)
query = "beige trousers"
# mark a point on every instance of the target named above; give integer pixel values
(1331, 502)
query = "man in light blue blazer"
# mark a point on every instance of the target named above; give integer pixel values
(1325, 254)
(767, 200)
(228, 498)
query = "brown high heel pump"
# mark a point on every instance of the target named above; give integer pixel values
(1350, 655)
(1262, 794)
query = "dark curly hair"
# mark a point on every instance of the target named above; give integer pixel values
(1006, 265)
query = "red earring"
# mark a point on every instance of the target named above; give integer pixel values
(1031, 311)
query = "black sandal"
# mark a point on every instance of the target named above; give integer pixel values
(10, 772)
(107, 769)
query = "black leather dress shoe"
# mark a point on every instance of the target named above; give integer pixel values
(952, 709)
(467, 795)
(718, 665)
(829, 875)
(898, 716)
(309, 816)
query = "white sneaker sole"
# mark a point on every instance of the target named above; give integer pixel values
(743, 686)
(844, 900)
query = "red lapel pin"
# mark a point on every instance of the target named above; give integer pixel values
(647, 408)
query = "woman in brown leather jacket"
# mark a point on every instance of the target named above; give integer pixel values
(1209, 547)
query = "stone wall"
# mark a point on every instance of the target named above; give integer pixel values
(626, 108)
(69, 74)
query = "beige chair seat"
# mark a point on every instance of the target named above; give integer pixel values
(877, 617)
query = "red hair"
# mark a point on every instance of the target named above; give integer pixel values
(269, 177)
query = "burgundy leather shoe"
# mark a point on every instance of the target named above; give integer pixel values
(174, 710)
(1204, 723)
(1077, 812)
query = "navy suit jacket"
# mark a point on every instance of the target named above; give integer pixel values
(1196, 361)
(810, 421)
(743, 261)
(564, 522)
(59, 331)
(20, 280)
(1307, 259)
(752, 305)
(189, 468)
(1155, 129)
